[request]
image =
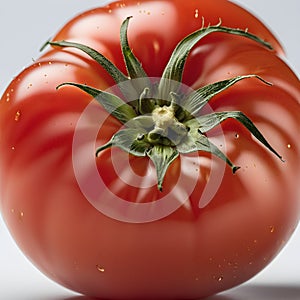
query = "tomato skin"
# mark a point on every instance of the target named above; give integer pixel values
(192, 252)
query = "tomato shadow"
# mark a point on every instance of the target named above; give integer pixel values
(244, 292)
(260, 292)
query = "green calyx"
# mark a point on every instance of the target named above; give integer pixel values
(159, 119)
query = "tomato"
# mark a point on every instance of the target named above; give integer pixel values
(186, 189)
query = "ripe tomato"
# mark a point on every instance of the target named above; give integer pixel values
(158, 213)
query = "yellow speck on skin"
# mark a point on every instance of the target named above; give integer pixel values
(100, 269)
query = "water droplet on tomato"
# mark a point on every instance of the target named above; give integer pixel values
(289, 146)
(236, 135)
(272, 229)
(17, 116)
(219, 278)
(20, 214)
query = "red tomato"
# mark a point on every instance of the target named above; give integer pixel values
(100, 225)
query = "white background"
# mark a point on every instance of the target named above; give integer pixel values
(24, 27)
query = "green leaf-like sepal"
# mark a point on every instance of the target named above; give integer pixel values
(162, 157)
(209, 121)
(114, 72)
(133, 65)
(199, 98)
(127, 90)
(174, 69)
(130, 140)
(197, 141)
(112, 103)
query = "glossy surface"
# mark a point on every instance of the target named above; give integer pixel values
(233, 237)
